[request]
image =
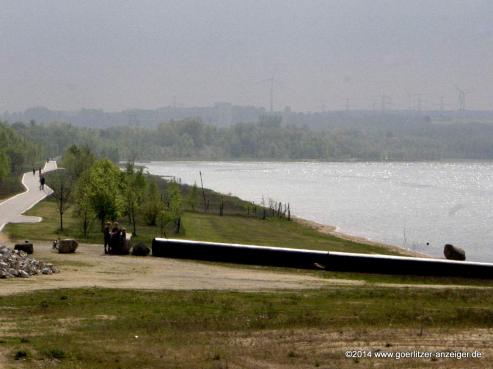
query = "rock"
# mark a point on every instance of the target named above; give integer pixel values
(452, 252)
(67, 246)
(27, 247)
(23, 274)
(4, 274)
(16, 263)
(140, 249)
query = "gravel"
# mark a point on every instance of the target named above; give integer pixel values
(15, 263)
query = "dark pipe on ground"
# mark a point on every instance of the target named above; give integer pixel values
(313, 259)
(234, 253)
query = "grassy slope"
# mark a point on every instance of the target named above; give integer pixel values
(231, 228)
(198, 226)
(98, 328)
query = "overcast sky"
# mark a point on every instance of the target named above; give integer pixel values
(114, 55)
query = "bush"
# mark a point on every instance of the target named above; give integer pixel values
(21, 354)
(57, 353)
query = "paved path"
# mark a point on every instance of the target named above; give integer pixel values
(11, 210)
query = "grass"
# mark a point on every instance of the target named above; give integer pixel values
(236, 229)
(198, 226)
(105, 328)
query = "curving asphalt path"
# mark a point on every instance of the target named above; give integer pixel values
(11, 210)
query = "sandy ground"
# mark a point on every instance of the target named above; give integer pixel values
(314, 347)
(89, 267)
(331, 230)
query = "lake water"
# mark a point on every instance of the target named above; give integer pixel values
(404, 204)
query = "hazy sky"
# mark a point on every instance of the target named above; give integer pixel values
(70, 54)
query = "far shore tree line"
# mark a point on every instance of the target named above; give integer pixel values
(269, 139)
(99, 190)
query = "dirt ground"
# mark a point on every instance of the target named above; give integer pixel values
(326, 348)
(89, 267)
(289, 348)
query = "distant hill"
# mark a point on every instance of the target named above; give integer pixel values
(220, 114)
(226, 114)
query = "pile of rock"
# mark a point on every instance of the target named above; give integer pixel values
(16, 263)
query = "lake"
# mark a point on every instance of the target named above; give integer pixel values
(404, 204)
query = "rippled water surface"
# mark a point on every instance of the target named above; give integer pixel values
(406, 204)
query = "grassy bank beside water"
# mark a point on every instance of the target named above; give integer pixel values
(197, 226)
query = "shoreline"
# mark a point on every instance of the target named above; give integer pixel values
(324, 228)
(332, 231)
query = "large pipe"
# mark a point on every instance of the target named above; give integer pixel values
(314, 259)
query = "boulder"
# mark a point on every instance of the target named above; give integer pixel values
(27, 247)
(67, 246)
(140, 249)
(452, 252)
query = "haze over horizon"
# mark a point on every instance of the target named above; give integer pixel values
(117, 55)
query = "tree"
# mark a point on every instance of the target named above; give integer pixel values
(104, 186)
(175, 205)
(82, 198)
(193, 196)
(134, 188)
(61, 184)
(77, 159)
(4, 166)
(152, 205)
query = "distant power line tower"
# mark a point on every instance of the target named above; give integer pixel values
(272, 80)
(133, 119)
(461, 98)
(416, 101)
(385, 101)
(419, 102)
(271, 93)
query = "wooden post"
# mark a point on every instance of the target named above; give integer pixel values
(203, 192)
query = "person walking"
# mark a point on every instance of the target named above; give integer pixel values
(42, 183)
(34, 171)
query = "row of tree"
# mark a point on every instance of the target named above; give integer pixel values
(98, 189)
(268, 139)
